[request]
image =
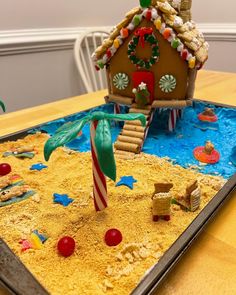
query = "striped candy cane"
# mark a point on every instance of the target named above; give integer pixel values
(172, 120)
(117, 108)
(180, 113)
(99, 180)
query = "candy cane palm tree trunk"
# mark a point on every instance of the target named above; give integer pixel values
(99, 180)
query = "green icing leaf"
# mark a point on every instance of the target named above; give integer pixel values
(67, 126)
(64, 135)
(2, 106)
(103, 143)
(127, 117)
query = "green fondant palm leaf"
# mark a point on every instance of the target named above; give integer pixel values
(103, 139)
(2, 106)
(66, 134)
(103, 143)
(127, 117)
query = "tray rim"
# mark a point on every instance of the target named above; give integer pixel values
(154, 276)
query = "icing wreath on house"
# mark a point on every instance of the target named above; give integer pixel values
(156, 44)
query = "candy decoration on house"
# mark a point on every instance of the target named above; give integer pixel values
(159, 45)
(142, 95)
(207, 154)
(2, 105)
(141, 36)
(101, 148)
(191, 199)
(208, 115)
(161, 201)
(167, 83)
(121, 81)
(145, 3)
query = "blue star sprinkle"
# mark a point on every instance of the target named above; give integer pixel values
(127, 181)
(38, 167)
(43, 238)
(62, 199)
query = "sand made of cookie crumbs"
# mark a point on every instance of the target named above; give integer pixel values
(95, 268)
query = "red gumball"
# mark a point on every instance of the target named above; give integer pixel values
(5, 169)
(113, 237)
(66, 246)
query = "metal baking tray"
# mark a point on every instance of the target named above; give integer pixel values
(16, 279)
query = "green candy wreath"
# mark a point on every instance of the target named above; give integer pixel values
(141, 63)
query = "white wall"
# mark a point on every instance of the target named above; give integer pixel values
(214, 11)
(24, 14)
(46, 71)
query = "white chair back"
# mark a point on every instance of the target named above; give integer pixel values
(84, 47)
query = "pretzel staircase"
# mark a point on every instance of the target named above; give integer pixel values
(132, 137)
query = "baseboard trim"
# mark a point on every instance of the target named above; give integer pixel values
(51, 39)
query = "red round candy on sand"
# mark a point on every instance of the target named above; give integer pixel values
(5, 169)
(113, 237)
(66, 246)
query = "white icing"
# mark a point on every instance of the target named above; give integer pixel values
(145, 12)
(130, 27)
(189, 56)
(180, 47)
(142, 86)
(163, 26)
(105, 58)
(94, 58)
(154, 14)
(113, 50)
(178, 22)
(120, 39)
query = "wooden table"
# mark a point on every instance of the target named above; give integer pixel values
(210, 265)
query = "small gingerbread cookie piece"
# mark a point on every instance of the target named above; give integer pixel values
(15, 191)
(5, 181)
(23, 149)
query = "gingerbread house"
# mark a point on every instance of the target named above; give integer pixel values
(152, 57)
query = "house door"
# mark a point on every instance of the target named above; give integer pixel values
(147, 78)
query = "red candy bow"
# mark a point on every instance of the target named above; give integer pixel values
(141, 32)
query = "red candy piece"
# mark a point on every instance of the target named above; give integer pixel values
(149, 15)
(66, 246)
(184, 54)
(5, 169)
(113, 237)
(202, 156)
(109, 53)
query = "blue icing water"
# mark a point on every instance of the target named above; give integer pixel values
(179, 145)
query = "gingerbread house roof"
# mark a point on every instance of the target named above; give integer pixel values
(184, 37)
